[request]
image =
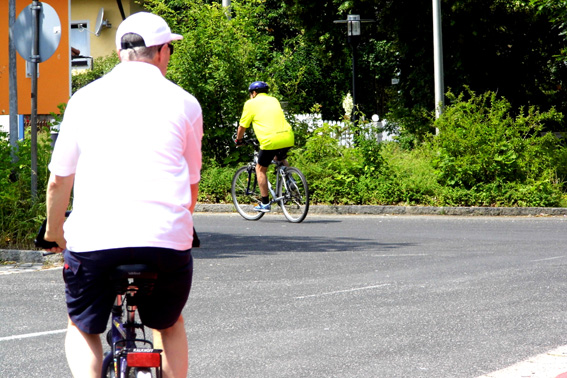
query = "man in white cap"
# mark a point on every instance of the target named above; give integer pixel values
(130, 146)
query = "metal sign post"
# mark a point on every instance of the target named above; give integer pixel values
(34, 58)
(36, 34)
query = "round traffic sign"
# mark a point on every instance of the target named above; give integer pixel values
(49, 32)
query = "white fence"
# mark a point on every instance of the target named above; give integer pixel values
(344, 132)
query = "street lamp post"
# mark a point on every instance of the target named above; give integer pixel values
(438, 59)
(226, 7)
(353, 22)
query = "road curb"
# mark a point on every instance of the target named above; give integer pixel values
(19, 257)
(408, 210)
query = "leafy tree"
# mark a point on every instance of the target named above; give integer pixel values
(557, 12)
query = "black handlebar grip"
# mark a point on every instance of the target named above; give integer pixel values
(40, 241)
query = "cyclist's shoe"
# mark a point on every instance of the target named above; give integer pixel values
(263, 208)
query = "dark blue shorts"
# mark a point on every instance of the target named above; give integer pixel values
(90, 292)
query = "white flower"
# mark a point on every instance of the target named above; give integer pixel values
(347, 104)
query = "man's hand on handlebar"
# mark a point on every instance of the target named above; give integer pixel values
(60, 242)
(239, 142)
(51, 242)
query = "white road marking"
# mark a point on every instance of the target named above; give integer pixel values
(403, 255)
(342, 291)
(35, 334)
(549, 258)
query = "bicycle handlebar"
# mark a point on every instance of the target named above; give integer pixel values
(245, 141)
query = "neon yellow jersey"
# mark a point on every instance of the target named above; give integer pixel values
(267, 118)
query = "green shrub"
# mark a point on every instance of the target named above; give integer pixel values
(486, 156)
(20, 214)
(215, 183)
(332, 170)
(412, 174)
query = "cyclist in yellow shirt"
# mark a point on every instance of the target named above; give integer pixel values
(273, 132)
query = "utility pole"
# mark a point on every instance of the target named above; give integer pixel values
(438, 59)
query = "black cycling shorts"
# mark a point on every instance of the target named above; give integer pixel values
(90, 292)
(265, 157)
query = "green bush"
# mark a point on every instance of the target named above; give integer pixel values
(215, 183)
(412, 175)
(20, 214)
(488, 155)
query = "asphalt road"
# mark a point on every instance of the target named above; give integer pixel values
(339, 296)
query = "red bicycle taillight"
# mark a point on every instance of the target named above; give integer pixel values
(143, 359)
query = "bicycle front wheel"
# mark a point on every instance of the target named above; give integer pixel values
(295, 193)
(246, 193)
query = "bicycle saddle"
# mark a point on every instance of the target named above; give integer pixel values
(135, 271)
(143, 277)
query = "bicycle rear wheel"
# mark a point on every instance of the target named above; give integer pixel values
(295, 193)
(141, 373)
(108, 366)
(246, 193)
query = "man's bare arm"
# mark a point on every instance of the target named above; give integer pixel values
(58, 195)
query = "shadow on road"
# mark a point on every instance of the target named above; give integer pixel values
(215, 245)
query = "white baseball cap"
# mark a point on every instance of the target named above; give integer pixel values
(152, 28)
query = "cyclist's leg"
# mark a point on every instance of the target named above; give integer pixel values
(173, 341)
(265, 158)
(83, 351)
(261, 175)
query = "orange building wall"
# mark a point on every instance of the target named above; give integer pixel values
(54, 74)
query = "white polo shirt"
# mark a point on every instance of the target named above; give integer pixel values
(133, 140)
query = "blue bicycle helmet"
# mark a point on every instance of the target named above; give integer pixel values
(258, 86)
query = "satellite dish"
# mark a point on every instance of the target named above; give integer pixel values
(100, 22)
(98, 25)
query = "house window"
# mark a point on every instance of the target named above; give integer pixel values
(80, 45)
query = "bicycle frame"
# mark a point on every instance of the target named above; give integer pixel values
(125, 351)
(280, 175)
